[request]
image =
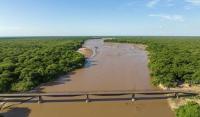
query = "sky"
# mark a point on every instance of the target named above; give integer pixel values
(99, 17)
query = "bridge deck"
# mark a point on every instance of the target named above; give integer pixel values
(98, 93)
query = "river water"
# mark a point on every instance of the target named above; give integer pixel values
(112, 67)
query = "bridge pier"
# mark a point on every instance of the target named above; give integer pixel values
(176, 95)
(39, 99)
(87, 98)
(133, 98)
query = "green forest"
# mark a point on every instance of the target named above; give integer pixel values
(191, 109)
(173, 60)
(27, 62)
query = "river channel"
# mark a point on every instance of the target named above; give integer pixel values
(112, 67)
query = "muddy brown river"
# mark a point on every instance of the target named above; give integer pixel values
(112, 67)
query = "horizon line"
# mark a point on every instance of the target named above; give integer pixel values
(101, 36)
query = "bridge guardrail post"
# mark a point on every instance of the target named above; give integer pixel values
(133, 97)
(176, 95)
(87, 98)
(39, 99)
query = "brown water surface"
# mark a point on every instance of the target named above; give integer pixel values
(112, 67)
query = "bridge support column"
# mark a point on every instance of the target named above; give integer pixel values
(133, 98)
(87, 98)
(39, 99)
(176, 95)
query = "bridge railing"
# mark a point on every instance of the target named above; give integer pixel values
(87, 95)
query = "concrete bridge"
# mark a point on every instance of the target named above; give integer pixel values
(133, 95)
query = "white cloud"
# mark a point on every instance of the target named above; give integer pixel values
(177, 18)
(152, 3)
(193, 2)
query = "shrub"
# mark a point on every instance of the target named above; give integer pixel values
(191, 109)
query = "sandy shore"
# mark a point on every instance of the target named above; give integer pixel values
(176, 103)
(86, 52)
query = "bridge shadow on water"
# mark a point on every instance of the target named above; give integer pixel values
(16, 112)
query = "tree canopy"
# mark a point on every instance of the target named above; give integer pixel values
(191, 109)
(24, 64)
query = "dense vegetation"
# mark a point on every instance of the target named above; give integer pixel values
(25, 64)
(191, 109)
(173, 60)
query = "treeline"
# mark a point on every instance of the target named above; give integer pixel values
(24, 64)
(173, 60)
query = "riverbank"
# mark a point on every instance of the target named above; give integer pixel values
(87, 52)
(172, 59)
(170, 62)
(176, 103)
